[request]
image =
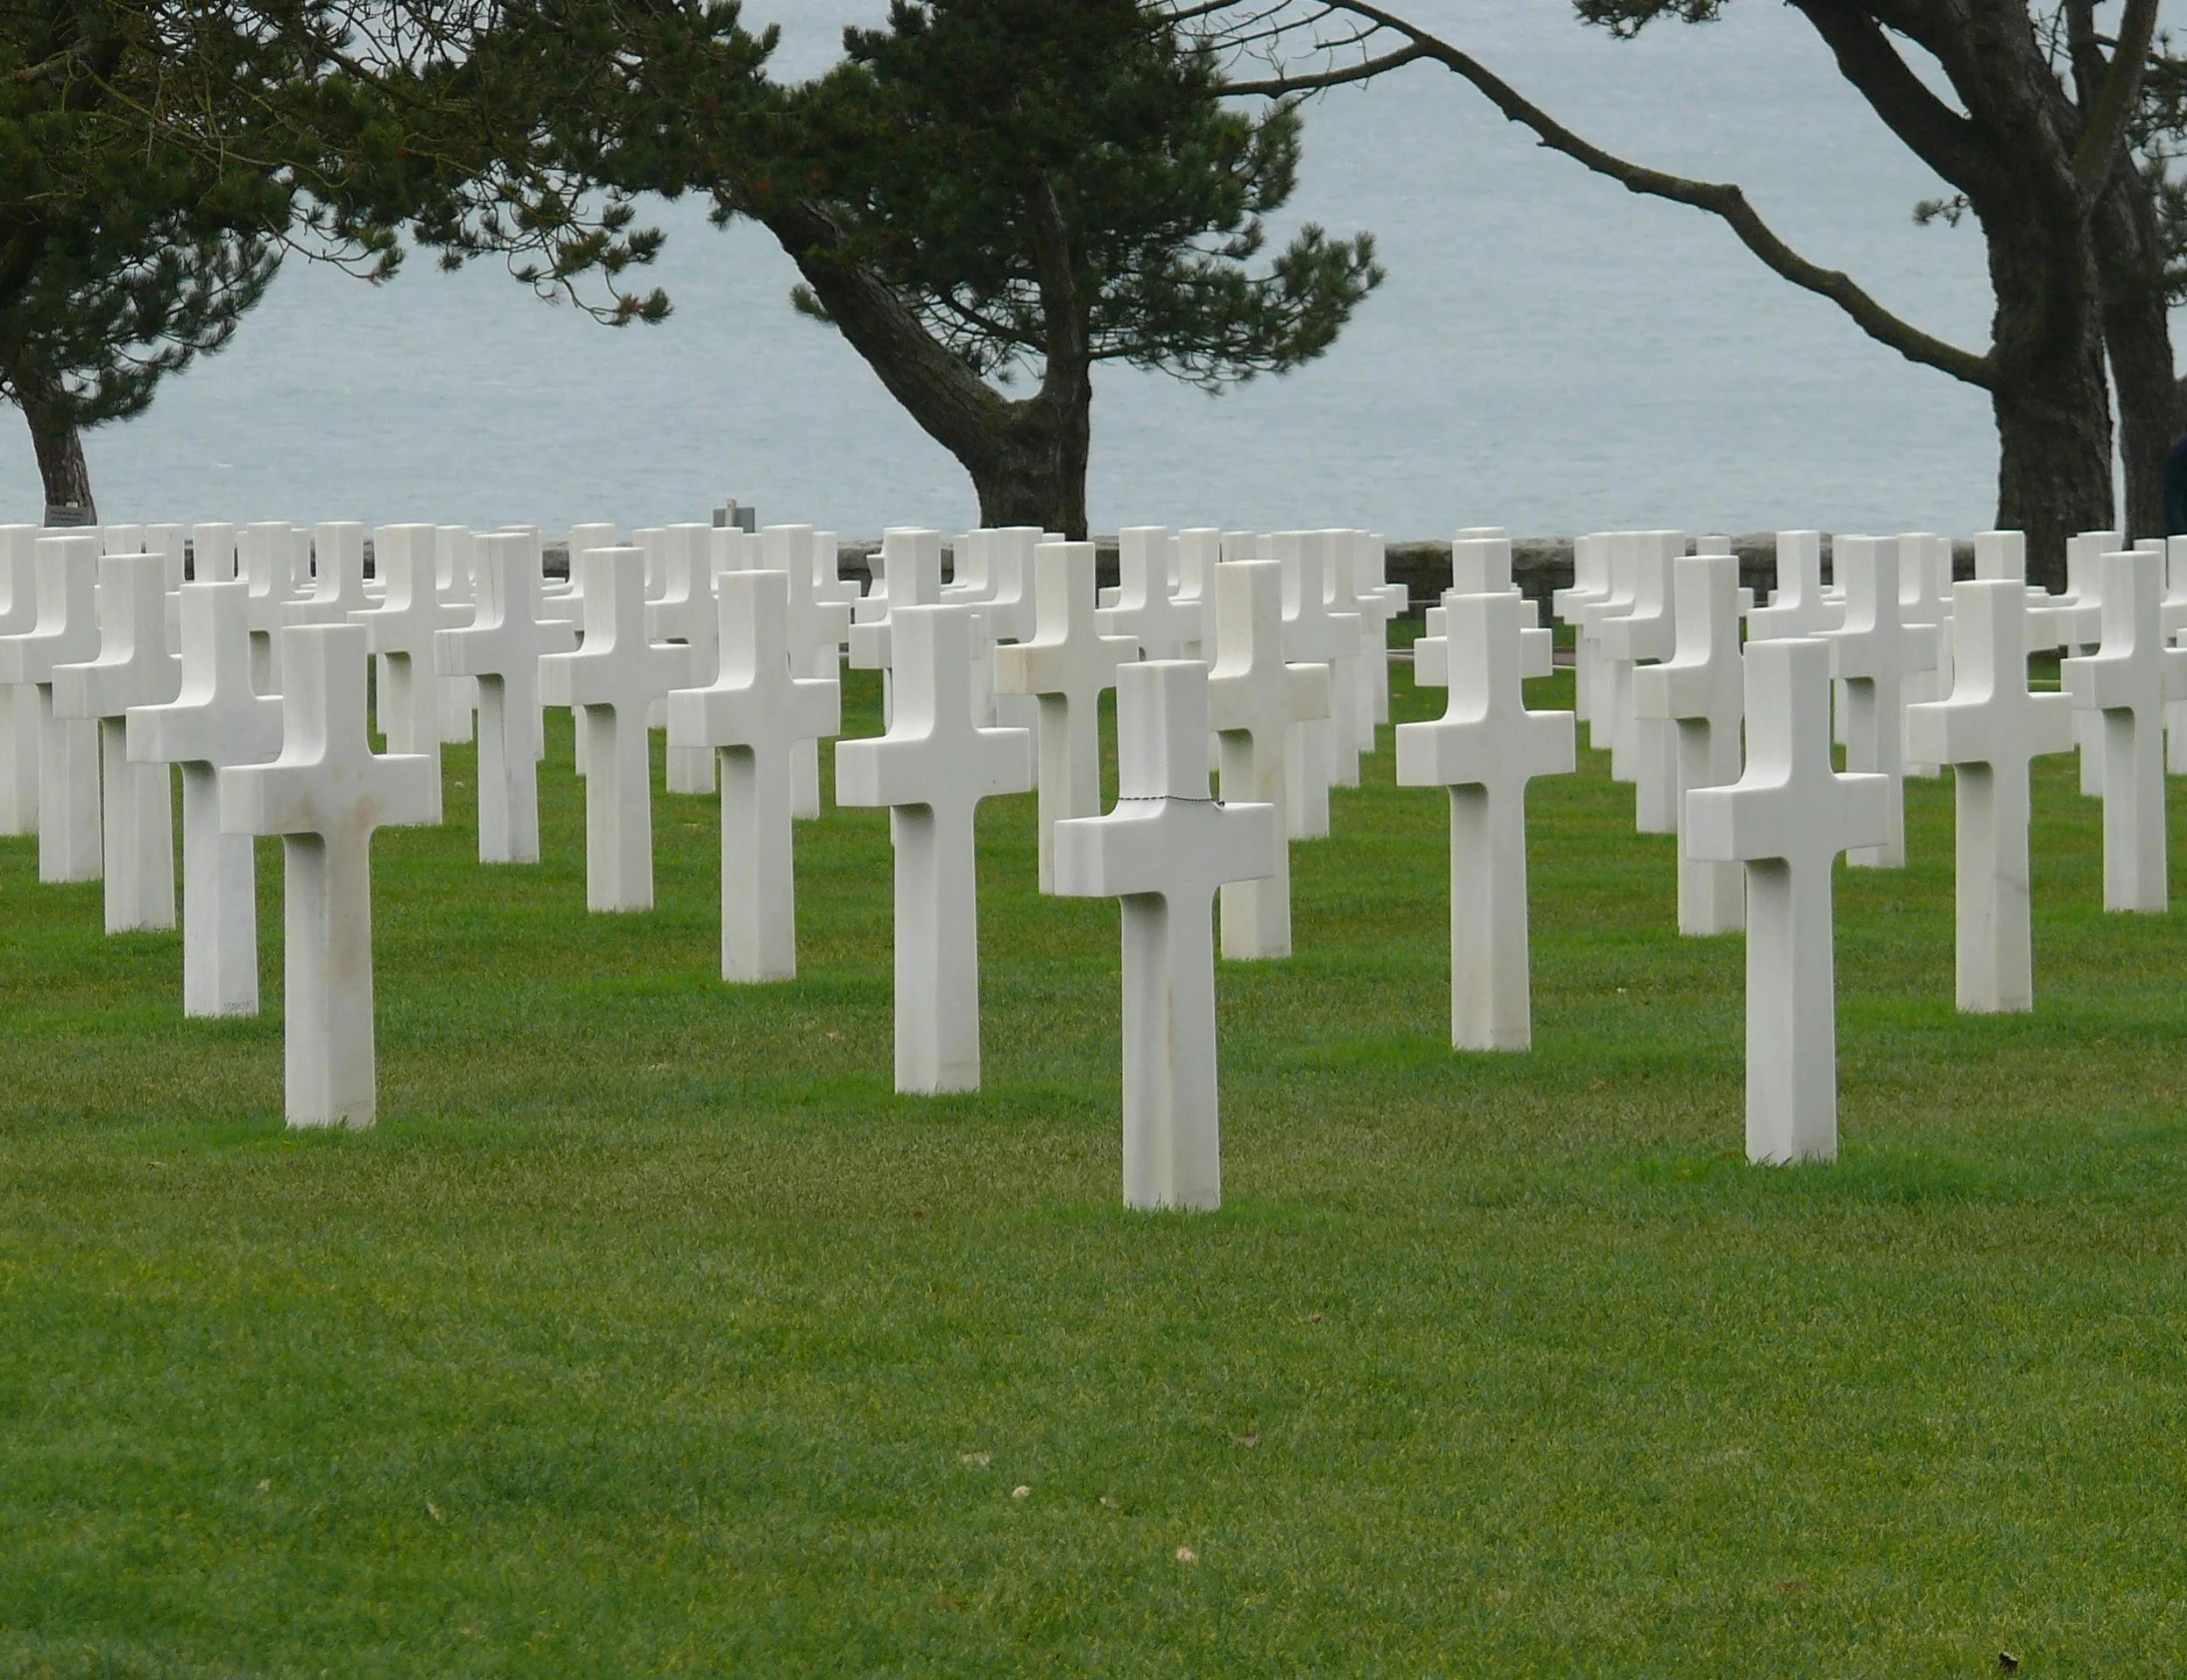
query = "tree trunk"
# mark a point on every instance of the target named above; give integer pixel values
(2137, 332)
(2049, 392)
(61, 464)
(1035, 473)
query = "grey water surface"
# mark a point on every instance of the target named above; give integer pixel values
(1549, 353)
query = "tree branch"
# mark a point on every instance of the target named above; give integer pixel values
(2098, 152)
(1724, 200)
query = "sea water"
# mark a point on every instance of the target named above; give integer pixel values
(1549, 353)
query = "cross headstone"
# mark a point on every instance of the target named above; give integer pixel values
(1647, 634)
(1145, 609)
(817, 628)
(1254, 699)
(1798, 607)
(687, 611)
(2127, 682)
(1485, 748)
(337, 562)
(399, 631)
(1787, 818)
(1067, 665)
(454, 581)
(325, 795)
(134, 668)
(1701, 688)
(65, 632)
(1312, 636)
(18, 701)
(932, 769)
(2174, 622)
(215, 721)
(269, 568)
(1482, 565)
(907, 573)
(609, 681)
(754, 713)
(1590, 584)
(1165, 850)
(1199, 551)
(1871, 654)
(1341, 629)
(1989, 728)
(501, 651)
(213, 553)
(1609, 705)
(1378, 602)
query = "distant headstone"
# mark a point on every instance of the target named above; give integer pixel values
(1703, 689)
(215, 721)
(399, 631)
(1165, 850)
(1871, 655)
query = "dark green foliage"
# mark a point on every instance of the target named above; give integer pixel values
(973, 142)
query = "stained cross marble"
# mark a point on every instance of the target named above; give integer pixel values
(1485, 750)
(1786, 819)
(326, 795)
(931, 770)
(218, 720)
(1165, 850)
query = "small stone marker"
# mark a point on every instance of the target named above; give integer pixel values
(1988, 728)
(500, 650)
(399, 631)
(325, 796)
(1066, 667)
(216, 721)
(754, 714)
(932, 769)
(1787, 818)
(1703, 689)
(1165, 850)
(1872, 655)
(614, 675)
(2127, 682)
(1144, 609)
(18, 701)
(66, 632)
(134, 668)
(1485, 750)
(1254, 699)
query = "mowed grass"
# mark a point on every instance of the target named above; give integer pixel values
(650, 1332)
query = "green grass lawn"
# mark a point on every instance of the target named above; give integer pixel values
(651, 1333)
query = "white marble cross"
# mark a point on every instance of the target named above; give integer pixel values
(1312, 636)
(216, 720)
(1703, 689)
(1482, 565)
(1647, 633)
(1199, 551)
(609, 681)
(500, 650)
(1067, 665)
(338, 560)
(2128, 683)
(2174, 622)
(1872, 655)
(1989, 730)
(65, 632)
(456, 583)
(754, 713)
(18, 701)
(1378, 602)
(1485, 750)
(213, 553)
(134, 668)
(1609, 704)
(1145, 609)
(1165, 850)
(817, 628)
(1798, 607)
(269, 559)
(325, 795)
(1590, 584)
(932, 769)
(1338, 625)
(1254, 699)
(1787, 818)
(689, 611)
(907, 573)
(399, 631)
